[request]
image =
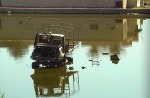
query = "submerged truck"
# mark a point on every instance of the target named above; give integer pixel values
(51, 48)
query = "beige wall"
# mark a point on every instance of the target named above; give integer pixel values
(62, 3)
(124, 4)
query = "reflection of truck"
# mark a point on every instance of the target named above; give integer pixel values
(55, 82)
(51, 48)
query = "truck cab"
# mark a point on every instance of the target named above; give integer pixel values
(49, 47)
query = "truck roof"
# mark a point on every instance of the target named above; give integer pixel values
(59, 35)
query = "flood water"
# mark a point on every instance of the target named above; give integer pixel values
(92, 74)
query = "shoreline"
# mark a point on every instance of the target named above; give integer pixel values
(17, 10)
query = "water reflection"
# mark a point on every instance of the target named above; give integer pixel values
(55, 82)
(105, 34)
(95, 62)
(16, 48)
(111, 35)
(99, 37)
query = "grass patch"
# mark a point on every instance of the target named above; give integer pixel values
(137, 8)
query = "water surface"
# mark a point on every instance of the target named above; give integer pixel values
(126, 36)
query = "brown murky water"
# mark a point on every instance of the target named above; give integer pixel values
(127, 78)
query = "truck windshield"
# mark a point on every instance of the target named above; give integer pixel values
(49, 52)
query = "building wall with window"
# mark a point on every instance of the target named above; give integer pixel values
(66, 3)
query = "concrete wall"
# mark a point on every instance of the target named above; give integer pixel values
(62, 3)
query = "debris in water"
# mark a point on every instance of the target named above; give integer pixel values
(83, 67)
(20, 22)
(96, 61)
(28, 17)
(115, 61)
(105, 53)
(9, 12)
(114, 57)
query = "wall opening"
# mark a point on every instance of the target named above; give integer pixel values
(0, 23)
(0, 3)
(119, 4)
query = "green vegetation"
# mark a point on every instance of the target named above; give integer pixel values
(137, 8)
(1, 95)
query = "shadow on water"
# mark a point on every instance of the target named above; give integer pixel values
(56, 82)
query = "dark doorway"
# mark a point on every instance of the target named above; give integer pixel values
(0, 23)
(0, 3)
(119, 4)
